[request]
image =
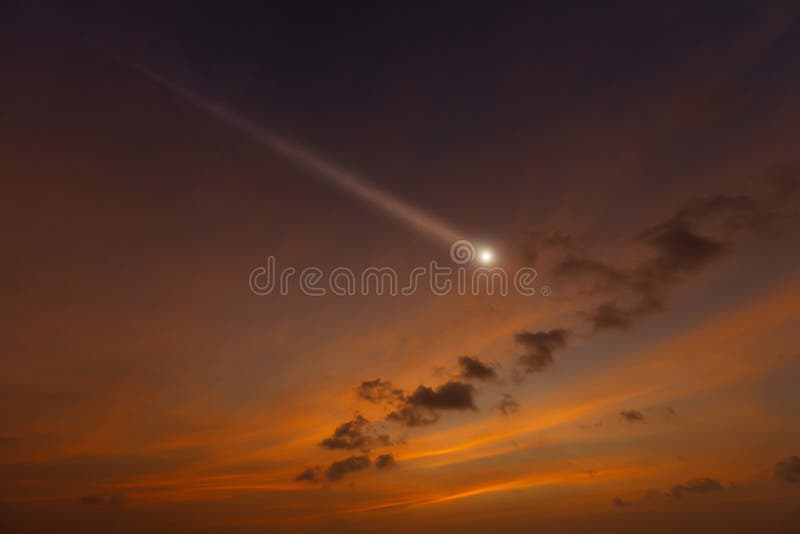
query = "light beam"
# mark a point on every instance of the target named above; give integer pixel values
(347, 181)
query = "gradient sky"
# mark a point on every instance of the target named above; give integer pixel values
(642, 157)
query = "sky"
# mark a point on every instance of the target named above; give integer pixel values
(636, 161)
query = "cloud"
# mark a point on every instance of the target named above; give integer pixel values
(632, 415)
(620, 503)
(379, 391)
(729, 215)
(355, 434)
(539, 348)
(339, 469)
(614, 316)
(473, 368)
(694, 236)
(788, 469)
(420, 407)
(451, 395)
(336, 470)
(508, 405)
(312, 474)
(385, 461)
(697, 485)
(413, 416)
(677, 251)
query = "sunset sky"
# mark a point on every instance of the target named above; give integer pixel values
(642, 157)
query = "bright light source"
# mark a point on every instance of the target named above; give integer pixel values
(486, 256)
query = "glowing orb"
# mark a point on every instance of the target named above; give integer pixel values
(486, 256)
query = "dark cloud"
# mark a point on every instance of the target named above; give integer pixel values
(339, 469)
(632, 415)
(356, 434)
(731, 215)
(385, 461)
(677, 251)
(609, 316)
(413, 416)
(312, 474)
(451, 395)
(698, 485)
(336, 471)
(420, 407)
(508, 405)
(620, 503)
(473, 368)
(789, 469)
(539, 348)
(379, 391)
(692, 238)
